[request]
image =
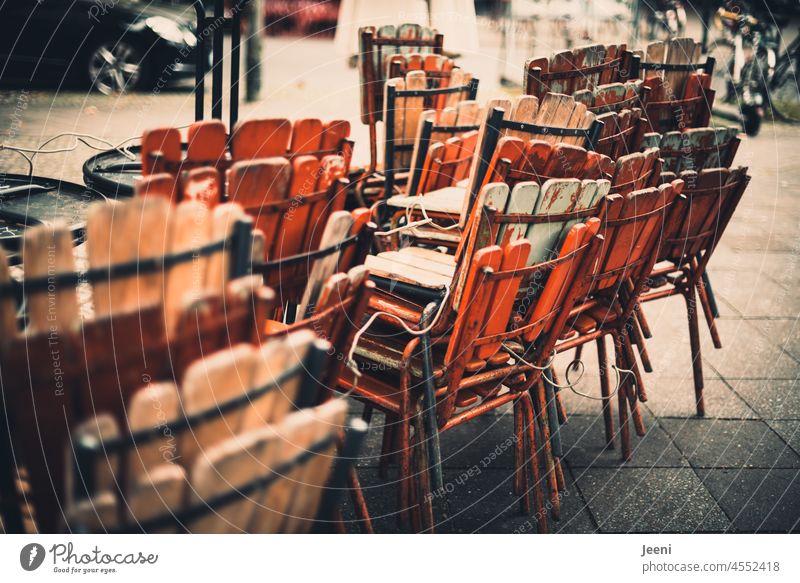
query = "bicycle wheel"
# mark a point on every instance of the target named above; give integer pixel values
(784, 94)
(721, 81)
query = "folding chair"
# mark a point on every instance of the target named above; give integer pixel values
(389, 52)
(633, 227)
(679, 87)
(208, 145)
(603, 79)
(702, 214)
(221, 453)
(465, 369)
(179, 291)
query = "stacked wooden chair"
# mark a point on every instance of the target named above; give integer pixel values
(179, 289)
(315, 270)
(220, 452)
(702, 214)
(467, 369)
(177, 279)
(601, 78)
(531, 222)
(679, 94)
(390, 52)
(415, 118)
(678, 108)
(208, 146)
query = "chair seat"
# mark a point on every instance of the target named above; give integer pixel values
(448, 200)
(418, 267)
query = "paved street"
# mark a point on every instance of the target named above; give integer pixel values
(738, 469)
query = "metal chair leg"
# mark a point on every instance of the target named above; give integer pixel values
(605, 390)
(622, 402)
(709, 315)
(520, 476)
(538, 494)
(637, 336)
(540, 406)
(694, 341)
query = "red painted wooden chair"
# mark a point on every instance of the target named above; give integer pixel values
(702, 214)
(469, 371)
(209, 145)
(633, 228)
(601, 78)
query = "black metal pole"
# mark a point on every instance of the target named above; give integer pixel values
(236, 38)
(216, 72)
(429, 402)
(200, 62)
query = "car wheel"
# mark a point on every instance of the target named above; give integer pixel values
(115, 66)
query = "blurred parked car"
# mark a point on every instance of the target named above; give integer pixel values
(110, 45)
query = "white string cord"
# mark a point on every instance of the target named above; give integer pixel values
(571, 384)
(80, 138)
(353, 365)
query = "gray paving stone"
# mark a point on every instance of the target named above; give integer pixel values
(789, 431)
(722, 443)
(770, 399)
(749, 354)
(584, 445)
(676, 399)
(650, 500)
(489, 506)
(785, 332)
(757, 500)
(487, 441)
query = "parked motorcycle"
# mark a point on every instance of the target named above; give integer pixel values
(748, 53)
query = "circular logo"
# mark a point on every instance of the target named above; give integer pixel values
(31, 556)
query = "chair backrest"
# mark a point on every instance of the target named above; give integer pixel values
(444, 147)
(335, 315)
(407, 104)
(208, 145)
(163, 289)
(541, 215)
(339, 244)
(220, 452)
(577, 69)
(637, 171)
(632, 226)
(390, 51)
(709, 200)
(534, 142)
(506, 299)
(290, 202)
(678, 85)
(696, 149)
